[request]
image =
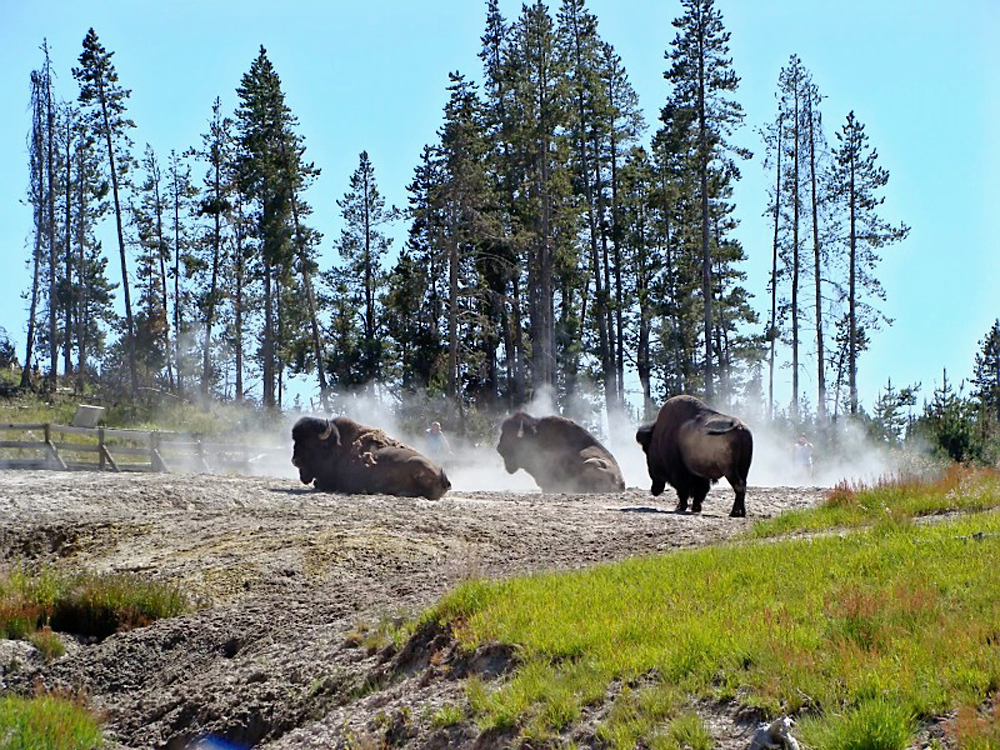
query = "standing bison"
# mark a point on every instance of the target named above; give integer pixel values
(559, 454)
(341, 455)
(690, 446)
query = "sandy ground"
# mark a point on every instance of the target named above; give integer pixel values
(287, 575)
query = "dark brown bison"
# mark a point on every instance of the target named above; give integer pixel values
(690, 446)
(341, 455)
(559, 454)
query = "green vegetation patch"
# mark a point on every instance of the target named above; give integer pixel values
(84, 604)
(46, 723)
(960, 489)
(866, 634)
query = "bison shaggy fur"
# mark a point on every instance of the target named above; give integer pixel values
(341, 455)
(690, 446)
(559, 454)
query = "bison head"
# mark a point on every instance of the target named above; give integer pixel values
(516, 435)
(644, 436)
(313, 442)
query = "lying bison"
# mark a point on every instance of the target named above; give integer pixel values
(559, 454)
(690, 446)
(341, 455)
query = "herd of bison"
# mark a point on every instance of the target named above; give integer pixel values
(291, 579)
(689, 446)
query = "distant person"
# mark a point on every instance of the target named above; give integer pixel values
(437, 444)
(803, 456)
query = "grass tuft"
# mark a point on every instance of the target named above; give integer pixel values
(47, 723)
(878, 724)
(83, 604)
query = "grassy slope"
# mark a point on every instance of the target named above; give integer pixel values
(863, 635)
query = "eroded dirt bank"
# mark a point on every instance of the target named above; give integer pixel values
(287, 575)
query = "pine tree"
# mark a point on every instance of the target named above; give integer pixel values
(702, 78)
(636, 227)
(37, 198)
(792, 82)
(589, 126)
(363, 245)
(103, 100)
(180, 197)
(986, 377)
(856, 181)
(152, 318)
(270, 174)
(500, 113)
(544, 206)
(93, 293)
(464, 198)
(215, 205)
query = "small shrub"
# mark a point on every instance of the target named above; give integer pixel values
(687, 732)
(48, 643)
(448, 715)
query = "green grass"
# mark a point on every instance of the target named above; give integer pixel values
(960, 489)
(865, 634)
(83, 604)
(46, 723)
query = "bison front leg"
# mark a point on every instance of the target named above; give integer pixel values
(658, 486)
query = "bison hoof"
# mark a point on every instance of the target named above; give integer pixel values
(738, 513)
(696, 508)
(681, 508)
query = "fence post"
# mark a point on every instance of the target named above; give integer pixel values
(100, 447)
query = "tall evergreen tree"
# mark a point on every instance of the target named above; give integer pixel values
(465, 200)
(703, 81)
(103, 101)
(180, 197)
(363, 245)
(986, 376)
(544, 205)
(856, 182)
(152, 318)
(270, 174)
(215, 206)
(38, 200)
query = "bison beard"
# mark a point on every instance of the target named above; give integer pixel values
(690, 446)
(341, 455)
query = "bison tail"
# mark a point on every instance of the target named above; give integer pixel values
(746, 454)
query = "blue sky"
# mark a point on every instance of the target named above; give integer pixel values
(922, 75)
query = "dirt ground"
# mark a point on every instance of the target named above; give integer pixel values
(288, 576)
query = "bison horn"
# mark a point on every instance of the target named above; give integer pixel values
(325, 434)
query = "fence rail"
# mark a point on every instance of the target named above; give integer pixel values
(104, 449)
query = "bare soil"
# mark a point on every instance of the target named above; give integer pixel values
(288, 577)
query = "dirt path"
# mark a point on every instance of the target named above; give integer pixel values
(287, 575)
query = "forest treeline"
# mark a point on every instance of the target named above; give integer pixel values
(556, 241)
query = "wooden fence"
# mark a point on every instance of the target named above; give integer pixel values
(65, 447)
